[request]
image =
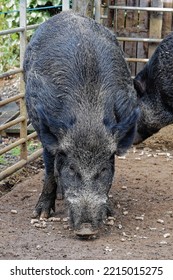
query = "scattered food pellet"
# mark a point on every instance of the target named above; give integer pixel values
(166, 235)
(123, 239)
(37, 225)
(54, 219)
(66, 226)
(111, 218)
(163, 242)
(160, 221)
(138, 158)
(107, 249)
(65, 219)
(33, 221)
(122, 157)
(152, 229)
(124, 187)
(110, 223)
(140, 218)
(14, 211)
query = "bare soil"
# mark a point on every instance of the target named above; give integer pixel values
(142, 199)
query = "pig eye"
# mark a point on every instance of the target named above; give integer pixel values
(73, 172)
(101, 173)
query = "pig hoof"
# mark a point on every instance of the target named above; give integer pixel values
(86, 231)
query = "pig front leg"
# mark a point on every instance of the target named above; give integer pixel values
(46, 202)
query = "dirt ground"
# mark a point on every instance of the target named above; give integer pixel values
(142, 198)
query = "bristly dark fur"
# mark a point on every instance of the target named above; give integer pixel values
(154, 85)
(81, 101)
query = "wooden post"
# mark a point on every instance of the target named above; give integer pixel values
(131, 24)
(167, 18)
(97, 10)
(23, 113)
(155, 29)
(84, 7)
(110, 14)
(119, 21)
(142, 47)
(65, 5)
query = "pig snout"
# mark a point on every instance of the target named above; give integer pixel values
(87, 213)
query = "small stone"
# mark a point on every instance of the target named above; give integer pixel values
(137, 228)
(166, 235)
(160, 221)
(38, 247)
(124, 187)
(65, 219)
(120, 226)
(110, 196)
(125, 213)
(138, 158)
(14, 211)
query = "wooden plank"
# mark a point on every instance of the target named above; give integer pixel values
(119, 21)
(8, 112)
(84, 7)
(131, 24)
(143, 27)
(155, 27)
(110, 21)
(167, 18)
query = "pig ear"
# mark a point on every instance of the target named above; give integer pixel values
(51, 131)
(140, 84)
(125, 132)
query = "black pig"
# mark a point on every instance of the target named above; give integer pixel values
(81, 101)
(154, 85)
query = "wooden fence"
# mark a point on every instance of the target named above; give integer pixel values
(22, 118)
(139, 24)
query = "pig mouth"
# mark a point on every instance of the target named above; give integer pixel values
(86, 231)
